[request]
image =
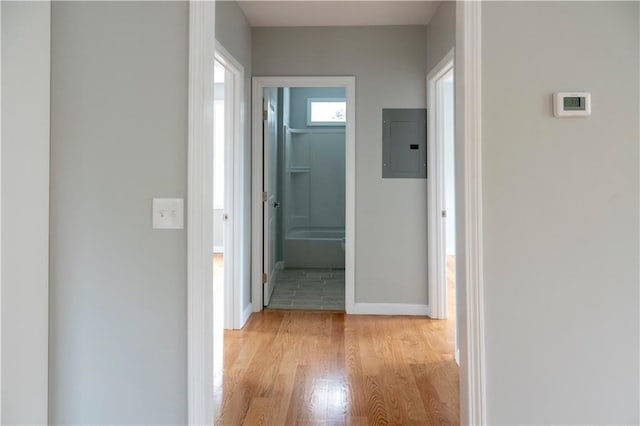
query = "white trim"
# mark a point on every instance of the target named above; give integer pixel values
(246, 313)
(218, 249)
(389, 309)
(227, 59)
(200, 215)
(469, 39)
(456, 357)
(436, 259)
(231, 136)
(234, 183)
(1, 212)
(259, 83)
(270, 128)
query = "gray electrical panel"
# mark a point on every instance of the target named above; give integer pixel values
(404, 143)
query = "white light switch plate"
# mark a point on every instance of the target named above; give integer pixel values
(168, 213)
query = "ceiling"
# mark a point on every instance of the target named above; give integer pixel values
(296, 13)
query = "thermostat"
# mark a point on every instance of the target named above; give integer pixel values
(571, 104)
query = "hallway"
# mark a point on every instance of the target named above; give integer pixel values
(301, 367)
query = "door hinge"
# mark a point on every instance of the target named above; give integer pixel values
(265, 114)
(444, 213)
(265, 197)
(264, 278)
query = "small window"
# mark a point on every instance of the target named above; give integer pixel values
(326, 112)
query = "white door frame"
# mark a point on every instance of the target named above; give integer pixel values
(200, 215)
(200, 401)
(259, 84)
(269, 104)
(469, 266)
(0, 216)
(437, 276)
(234, 153)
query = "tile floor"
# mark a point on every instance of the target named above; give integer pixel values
(308, 289)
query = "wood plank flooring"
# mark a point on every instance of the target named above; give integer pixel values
(328, 368)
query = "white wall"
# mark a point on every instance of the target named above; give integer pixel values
(25, 210)
(118, 306)
(218, 231)
(561, 213)
(449, 168)
(218, 155)
(390, 68)
(234, 33)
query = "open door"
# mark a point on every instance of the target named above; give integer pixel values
(270, 204)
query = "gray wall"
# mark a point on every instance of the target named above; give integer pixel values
(441, 33)
(234, 33)
(118, 321)
(25, 210)
(561, 213)
(389, 64)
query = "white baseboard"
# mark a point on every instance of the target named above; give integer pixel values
(246, 313)
(218, 249)
(389, 309)
(280, 265)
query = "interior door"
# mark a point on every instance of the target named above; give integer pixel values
(270, 203)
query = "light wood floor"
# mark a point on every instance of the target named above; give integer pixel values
(307, 368)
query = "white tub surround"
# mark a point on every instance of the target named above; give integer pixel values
(314, 248)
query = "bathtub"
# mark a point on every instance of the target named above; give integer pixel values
(314, 248)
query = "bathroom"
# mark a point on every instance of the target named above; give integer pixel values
(310, 194)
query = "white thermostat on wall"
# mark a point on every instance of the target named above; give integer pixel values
(571, 104)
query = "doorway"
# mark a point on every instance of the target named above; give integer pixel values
(304, 187)
(303, 204)
(227, 208)
(441, 188)
(200, 309)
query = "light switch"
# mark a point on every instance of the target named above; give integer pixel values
(168, 213)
